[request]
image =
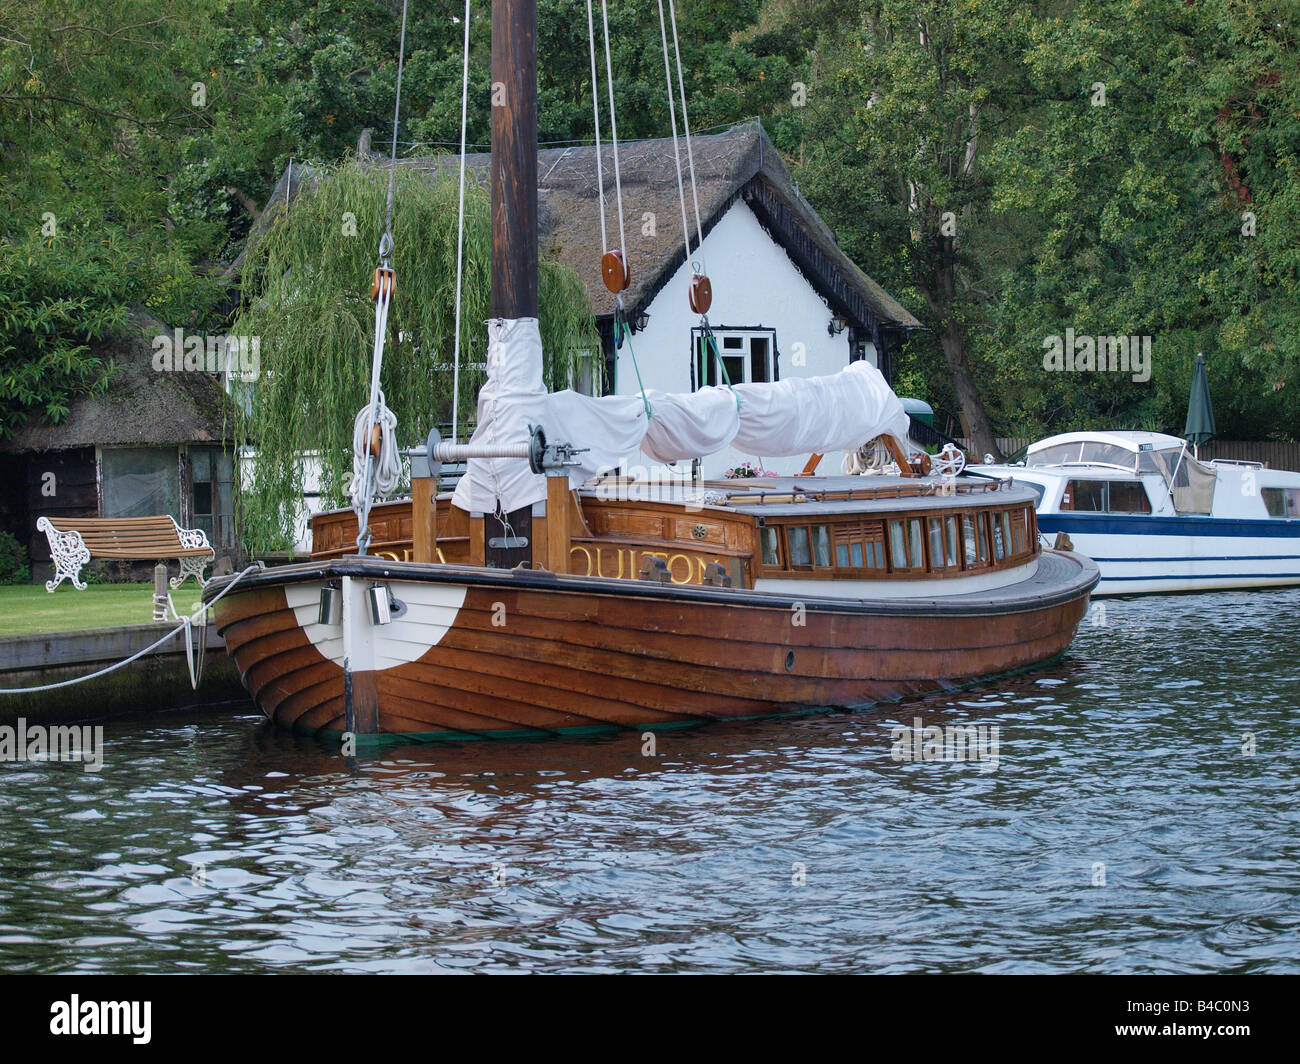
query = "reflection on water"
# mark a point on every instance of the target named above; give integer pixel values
(1124, 829)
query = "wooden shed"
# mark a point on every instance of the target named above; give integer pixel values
(157, 441)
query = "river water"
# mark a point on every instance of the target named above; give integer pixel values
(1121, 824)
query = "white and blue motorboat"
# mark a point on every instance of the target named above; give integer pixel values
(1154, 518)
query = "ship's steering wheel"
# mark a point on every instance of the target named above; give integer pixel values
(949, 462)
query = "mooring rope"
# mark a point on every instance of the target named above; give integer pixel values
(184, 626)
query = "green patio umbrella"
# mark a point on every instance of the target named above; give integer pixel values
(1200, 413)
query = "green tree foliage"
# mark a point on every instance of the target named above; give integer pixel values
(93, 98)
(905, 98)
(1158, 182)
(1112, 154)
(306, 284)
(53, 306)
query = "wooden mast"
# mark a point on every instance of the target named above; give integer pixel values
(514, 232)
(514, 159)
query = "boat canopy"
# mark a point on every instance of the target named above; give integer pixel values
(1190, 482)
(1144, 452)
(796, 416)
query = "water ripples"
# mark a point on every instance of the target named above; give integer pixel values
(1123, 830)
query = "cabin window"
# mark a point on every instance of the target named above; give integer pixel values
(898, 545)
(748, 355)
(859, 545)
(800, 549)
(1106, 496)
(1281, 502)
(1127, 497)
(968, 533)
(875, 554)
(1004, 519)
(771, 550)
(906, 544)
(936, 542)
(943, 542)
(982, 537)
(1086, 495)
(1019, 527)
(821, 541)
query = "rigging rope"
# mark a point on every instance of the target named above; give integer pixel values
(672, 116)
(613, 129)
(386, 241)
(686, 128)
(595, 118)
(386, 471)
(460, 231)
(621, 333)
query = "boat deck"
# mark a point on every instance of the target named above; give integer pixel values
(1058, 576)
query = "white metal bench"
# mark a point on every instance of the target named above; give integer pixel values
(127, 539)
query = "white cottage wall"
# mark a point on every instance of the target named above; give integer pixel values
(755, 284)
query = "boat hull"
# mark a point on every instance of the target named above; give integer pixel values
(491, 653)
(1141, 554)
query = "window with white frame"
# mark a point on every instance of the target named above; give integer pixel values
(748, 356)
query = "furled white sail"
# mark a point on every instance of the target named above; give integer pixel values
(797, 416)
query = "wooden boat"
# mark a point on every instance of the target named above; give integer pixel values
(841, 594)
(536, 600)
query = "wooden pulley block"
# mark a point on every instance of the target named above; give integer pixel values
(376, 440)
(921, 464)
(384, 278)
(701, 296)
(615, 272)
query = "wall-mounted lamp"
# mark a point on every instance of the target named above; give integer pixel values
(642, 320)
(837, 325)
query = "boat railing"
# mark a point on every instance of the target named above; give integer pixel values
(1236, 462)
(915, 489)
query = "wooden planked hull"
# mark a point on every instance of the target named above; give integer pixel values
(510, 653)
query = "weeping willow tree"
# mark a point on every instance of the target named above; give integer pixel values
(306, 298)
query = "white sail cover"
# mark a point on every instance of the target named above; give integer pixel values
(800, 415)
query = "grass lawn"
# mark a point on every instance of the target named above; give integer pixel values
(29, 608)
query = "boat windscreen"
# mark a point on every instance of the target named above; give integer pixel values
(1091, 452)
(1107, 454)
(1057, 454)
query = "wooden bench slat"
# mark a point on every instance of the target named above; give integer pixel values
(124, 538)
(174, 552)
